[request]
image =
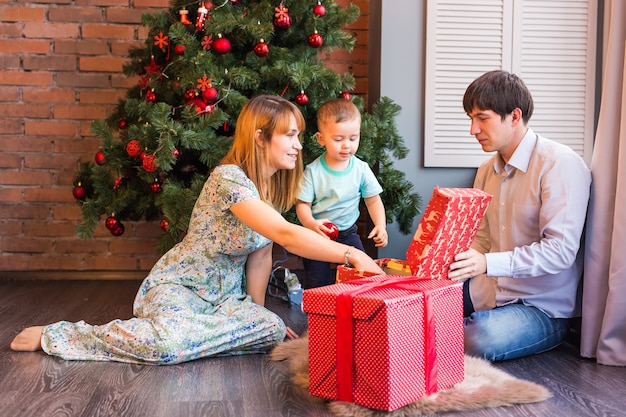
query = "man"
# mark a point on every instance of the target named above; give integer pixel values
(522, 273)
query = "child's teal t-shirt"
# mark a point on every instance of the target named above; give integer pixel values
(336, 195)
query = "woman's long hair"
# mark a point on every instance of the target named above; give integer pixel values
(270, 114)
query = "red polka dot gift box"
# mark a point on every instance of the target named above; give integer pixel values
(386, 341)
(448, 226)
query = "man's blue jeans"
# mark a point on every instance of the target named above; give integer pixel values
(512, 331)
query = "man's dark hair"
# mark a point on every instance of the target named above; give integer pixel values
(501, 92)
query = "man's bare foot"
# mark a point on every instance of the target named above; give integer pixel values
(28, 340)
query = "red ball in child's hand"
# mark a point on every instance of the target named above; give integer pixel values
(334, 231)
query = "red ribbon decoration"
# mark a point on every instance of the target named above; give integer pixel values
(345, 332)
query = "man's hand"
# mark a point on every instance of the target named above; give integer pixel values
(467, 265)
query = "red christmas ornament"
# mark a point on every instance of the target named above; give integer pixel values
(150, 96)
(164, 224)
(118, 183)
(133, 148)
(346, 95)
(319, 9)
(161, 40)
(176, 153)
(302, 99)
(144, 81)
(203, 12)
(203, 83)
(210, 95)
(156, 186)
(282, 20)
(184, 17)
(99, 158)
(208, 108)
(148, 163)
(261, 49)
(111, 222)
(334, 230)
(118, 231)
(123, 124)
(200, 106)
(79, 192)
(206, 43)
(153, 68)
(315, 40)
(179, 49)
(221, 46)
(225, 129)
(191, 94)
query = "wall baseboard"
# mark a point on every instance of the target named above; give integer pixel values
(72, 275)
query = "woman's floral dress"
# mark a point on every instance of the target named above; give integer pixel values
(193, 303)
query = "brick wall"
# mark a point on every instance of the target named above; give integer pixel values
(60, 68)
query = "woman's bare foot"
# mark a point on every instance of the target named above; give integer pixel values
(28, 340)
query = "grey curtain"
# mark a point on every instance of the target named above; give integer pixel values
(603, 331)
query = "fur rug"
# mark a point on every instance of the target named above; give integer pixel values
(484, 386)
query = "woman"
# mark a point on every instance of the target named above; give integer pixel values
(193, 304)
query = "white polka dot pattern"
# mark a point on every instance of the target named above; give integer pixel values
(389, 340)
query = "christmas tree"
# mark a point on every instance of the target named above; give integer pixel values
(196, 71)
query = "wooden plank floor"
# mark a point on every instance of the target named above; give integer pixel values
(34, 384)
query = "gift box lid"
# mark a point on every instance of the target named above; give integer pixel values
(435, 243)
(322, 300)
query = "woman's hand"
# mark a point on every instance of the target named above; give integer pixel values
(361, 261)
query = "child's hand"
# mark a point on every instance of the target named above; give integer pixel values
(379, 234)
(320, 228)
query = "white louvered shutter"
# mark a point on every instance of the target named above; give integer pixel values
(550, 44)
